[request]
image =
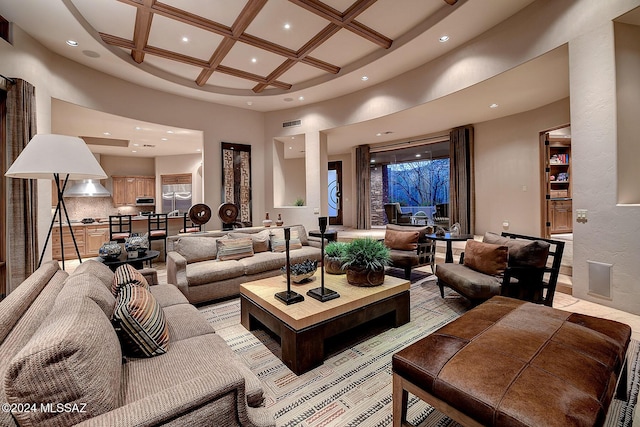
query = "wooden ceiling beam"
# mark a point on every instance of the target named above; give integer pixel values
(250, 76)
(216, 59)
(141, 30)
(282, 68)
(347, 20)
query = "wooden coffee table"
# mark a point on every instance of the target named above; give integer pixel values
(303, 327)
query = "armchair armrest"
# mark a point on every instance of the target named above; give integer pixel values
(177, 272)
(212, 399)
(524, 283)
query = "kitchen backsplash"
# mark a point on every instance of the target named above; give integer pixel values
(97, 207)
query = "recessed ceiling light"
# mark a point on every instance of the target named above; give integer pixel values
(418, 155)
(290, 148)
(293, 137)
(136, 145)
(138, 128)
(133, 151)
(249, 102)
(169, 131)
(301, 98)
(198, 149)
(106, 133)
(493, 106)
(444, 38)
(364, 78)
(254, 60)
(373, 160)
(185, 39)
(165, 139)
(378, 134)
(287, 26)
(72, 43)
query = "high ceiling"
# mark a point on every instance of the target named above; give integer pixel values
(327, 49)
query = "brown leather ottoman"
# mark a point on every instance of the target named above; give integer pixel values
(512, 363)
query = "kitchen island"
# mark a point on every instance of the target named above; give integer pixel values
(91, 236)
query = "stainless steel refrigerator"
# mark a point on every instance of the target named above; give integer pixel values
(176, 198)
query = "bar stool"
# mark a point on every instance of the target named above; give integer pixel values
(189, 226)
(119, 228)
(157, 230)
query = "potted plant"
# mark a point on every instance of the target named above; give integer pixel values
(333, 253)
(364, 261)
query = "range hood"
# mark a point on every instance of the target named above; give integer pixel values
(87, 188)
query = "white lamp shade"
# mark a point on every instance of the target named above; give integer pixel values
(50, 154)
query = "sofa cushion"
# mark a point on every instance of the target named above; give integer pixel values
(98, 269)
(262, 262)
(229, 248)
(486, 258)
(470, 283)
(278, 243)
(185, 321)
(140, 322)
(205, 272)
(260, 240)
(522, 253)
(196, 248)
(401, 240)
(167, 295)
(126, 274)
(73, 358)
(87, 285)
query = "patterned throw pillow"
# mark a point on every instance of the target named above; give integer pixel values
(278, 244)
(127, 274)
(260, 240)
(229, 249)
(140, 323)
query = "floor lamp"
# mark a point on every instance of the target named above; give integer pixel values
(57, 157)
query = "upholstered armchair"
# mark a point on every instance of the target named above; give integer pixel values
(395, 215)
(513, 265)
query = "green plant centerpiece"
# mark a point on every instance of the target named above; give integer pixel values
(364, 261)
(333, 253)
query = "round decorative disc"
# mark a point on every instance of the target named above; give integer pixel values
(200, 213)
(228, 213)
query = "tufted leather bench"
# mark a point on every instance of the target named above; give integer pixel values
(512, 363)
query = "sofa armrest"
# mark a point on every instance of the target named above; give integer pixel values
(177, 272)
(216, 398)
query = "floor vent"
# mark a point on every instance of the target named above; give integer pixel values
(600, 278)
(292, 123)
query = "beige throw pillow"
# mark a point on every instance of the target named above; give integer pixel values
(230, 249)
(260, 240)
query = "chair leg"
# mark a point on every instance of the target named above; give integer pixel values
(441, 286)
(400, 398)
(407, 273)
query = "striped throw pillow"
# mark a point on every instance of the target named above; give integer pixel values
(127, 274)
(229, 249)
(140, 323)
(278, 244)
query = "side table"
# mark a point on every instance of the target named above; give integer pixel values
(137, 263)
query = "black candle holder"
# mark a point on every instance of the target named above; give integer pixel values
(288, 297)
(322, 294)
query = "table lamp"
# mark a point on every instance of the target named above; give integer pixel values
(322, 294)
(50, 156)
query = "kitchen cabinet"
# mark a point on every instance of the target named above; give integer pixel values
(179, 178)
(127, 188)
(69, 248)
(95, 236)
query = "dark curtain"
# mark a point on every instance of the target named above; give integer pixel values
(22, 195)
(461, 189)
(363, 177)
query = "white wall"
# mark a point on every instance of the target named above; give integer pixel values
(507, 158)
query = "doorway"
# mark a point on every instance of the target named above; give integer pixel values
(335, 193)
(556, 184)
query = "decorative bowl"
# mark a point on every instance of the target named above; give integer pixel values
(302, 271)
(110, 250)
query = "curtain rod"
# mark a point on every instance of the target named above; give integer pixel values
(404, 143)
(9, 79)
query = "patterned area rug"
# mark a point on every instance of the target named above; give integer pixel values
(353, 387)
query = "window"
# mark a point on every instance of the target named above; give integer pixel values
(415, 177)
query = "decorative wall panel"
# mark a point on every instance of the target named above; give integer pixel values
(236, 179)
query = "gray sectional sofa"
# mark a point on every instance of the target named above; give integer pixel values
(195, 267)
(58, 346)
